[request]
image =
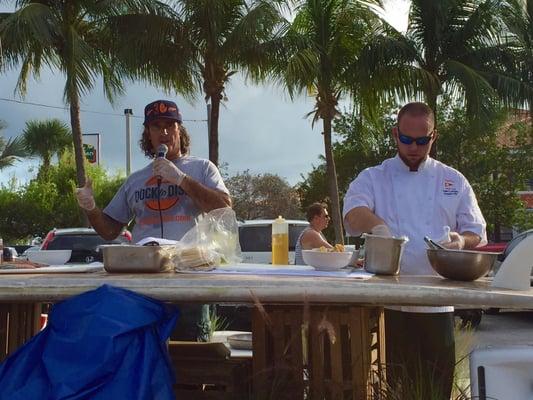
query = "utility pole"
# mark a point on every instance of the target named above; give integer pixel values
(128, 112)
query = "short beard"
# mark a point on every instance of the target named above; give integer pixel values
(412, 166)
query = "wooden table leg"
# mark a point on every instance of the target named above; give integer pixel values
(18, 323)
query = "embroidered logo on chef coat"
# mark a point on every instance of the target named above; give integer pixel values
(449, 188)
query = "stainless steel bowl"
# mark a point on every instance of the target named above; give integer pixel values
(461, 265)
(383, 255)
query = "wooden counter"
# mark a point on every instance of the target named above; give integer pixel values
(289, 318)
(176, 287)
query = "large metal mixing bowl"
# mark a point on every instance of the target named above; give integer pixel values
(461, 265)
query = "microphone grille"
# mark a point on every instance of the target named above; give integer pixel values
(162, 150)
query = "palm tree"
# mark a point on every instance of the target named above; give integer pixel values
(207, 41)
(46, 138)
(518, 17)
(325, 38)
(450, 46)
(228, 34)
(11, 150)
(69, 36)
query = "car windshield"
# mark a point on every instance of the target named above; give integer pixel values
(259, 238)
(81, 242)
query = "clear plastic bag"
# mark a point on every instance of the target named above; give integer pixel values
(213, 241)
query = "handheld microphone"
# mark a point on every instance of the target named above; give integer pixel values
(162, 151)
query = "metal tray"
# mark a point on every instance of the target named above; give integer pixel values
(133, 258)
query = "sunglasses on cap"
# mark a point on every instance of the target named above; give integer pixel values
(420, 141)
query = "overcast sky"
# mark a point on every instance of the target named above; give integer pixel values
(260, 128)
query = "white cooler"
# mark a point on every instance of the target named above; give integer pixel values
(503, 373)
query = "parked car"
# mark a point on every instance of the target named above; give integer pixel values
(255, 237)
(496, 247)
(84, 243)
(9, 253)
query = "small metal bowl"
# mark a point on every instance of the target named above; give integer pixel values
(241, 341)
(461, 265)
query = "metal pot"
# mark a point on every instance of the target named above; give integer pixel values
(461, 265)
(383, 254)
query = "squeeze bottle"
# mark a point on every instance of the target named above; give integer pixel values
(280, 242)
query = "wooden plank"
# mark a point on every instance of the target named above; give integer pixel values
(316, 356)
(36, 322)
(357, 349)
(4, 324)
(366, 345)
(13, 335)
(335, 344)
(278, 335)
(296, 352)
(259, 344)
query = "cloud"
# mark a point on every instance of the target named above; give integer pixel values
(260, 128)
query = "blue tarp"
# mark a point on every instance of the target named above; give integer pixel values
(108, 343)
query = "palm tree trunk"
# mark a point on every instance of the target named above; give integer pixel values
(331, 175)
(79, 154)
(213, 128)
(77, 137)
(531, 113)
(431, 99)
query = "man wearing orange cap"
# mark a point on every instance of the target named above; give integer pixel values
(168, 196)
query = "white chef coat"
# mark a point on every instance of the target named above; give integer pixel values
(417, 204)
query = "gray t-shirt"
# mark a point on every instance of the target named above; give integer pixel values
(137, 198)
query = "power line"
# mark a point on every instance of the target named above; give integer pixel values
(29, 103)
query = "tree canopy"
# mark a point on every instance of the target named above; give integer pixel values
(263, 196)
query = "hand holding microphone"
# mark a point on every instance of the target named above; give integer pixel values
(166, 169)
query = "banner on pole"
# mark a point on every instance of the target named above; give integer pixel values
(91, 147)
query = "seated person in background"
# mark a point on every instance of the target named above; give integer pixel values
(312, 237)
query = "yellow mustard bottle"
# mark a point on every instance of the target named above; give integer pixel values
(280, 241)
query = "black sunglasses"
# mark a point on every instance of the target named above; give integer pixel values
(421, 141)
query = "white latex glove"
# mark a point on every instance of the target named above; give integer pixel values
(381, 230)
(457, 242)
(445, 238)
(168, 171)
(85, 196)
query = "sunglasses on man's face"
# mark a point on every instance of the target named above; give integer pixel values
(420, 141)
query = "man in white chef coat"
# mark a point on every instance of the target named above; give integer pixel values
(415, 195)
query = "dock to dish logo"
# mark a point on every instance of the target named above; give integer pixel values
(168, 195)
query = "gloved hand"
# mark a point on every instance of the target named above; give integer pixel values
(168, 171)
(85, 196)
(381, 230)
(457, 242)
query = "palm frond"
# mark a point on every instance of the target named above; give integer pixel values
(12, 151)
